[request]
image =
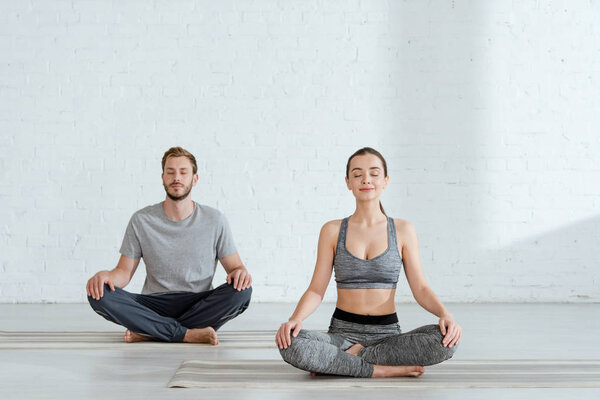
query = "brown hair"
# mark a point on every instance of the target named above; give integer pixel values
(362, 152)
(179, 152)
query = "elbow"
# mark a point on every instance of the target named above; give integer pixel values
(314, 293)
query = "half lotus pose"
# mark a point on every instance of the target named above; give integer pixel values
(366, 251)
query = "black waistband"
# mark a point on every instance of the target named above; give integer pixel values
(365, 319)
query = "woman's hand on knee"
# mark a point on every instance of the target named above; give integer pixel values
(282, 338)
(451, 330)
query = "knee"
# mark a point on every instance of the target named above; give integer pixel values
(246, 294)
(292, 351)
(105, 302)
(102, 301)
(295, 353)
(447, 352)
(444, 352)
(241, 296)
(431, 340)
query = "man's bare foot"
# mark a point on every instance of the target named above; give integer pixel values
(355, 348)
(131, 337)
(202, 335)
(387, 371)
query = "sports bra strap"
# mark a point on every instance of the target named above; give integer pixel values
(342, 234)
(391, 231)
(392, 239)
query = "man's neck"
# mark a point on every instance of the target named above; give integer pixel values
(178, 210)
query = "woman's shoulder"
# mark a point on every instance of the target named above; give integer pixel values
(331, 228)
(404, 227)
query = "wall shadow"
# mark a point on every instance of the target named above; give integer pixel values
(550, 264)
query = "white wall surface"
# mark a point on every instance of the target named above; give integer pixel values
(487, 113)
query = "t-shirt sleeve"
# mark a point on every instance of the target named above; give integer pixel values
(225, 244)
(131, 243)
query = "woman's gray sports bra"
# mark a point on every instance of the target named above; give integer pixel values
(380, 272)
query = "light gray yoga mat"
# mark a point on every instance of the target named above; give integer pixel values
(451, 374)
(87, 340)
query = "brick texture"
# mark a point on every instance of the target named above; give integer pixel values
(487, 113)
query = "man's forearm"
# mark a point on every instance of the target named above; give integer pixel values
(239, 267)
(119, 277)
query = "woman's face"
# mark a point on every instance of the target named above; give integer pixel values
(366, 178)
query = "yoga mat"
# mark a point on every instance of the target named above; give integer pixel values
(98, 340)
(277, 374)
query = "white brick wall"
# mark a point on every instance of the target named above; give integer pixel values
(487, 113)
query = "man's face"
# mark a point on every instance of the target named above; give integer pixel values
(178, 178)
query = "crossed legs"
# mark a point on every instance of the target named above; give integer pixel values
(402, 354)
(172, 317)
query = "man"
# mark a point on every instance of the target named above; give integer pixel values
(180, 241)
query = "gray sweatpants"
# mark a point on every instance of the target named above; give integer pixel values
(384, 344)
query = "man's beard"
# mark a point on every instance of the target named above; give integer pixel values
(187, 189)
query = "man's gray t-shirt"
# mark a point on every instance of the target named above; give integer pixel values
(179, 255)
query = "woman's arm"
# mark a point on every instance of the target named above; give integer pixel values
(313, 296)
(421, 291)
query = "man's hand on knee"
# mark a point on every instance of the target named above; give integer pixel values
(240, 279)
(95, 286)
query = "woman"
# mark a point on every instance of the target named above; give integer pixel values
(366, 251)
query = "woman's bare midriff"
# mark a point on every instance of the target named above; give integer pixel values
(366, 301)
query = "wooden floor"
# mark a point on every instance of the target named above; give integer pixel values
(509, 351)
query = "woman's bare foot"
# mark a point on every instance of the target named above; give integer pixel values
(131, 337)
(355, 348)
(202, 335)
(387, 371)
